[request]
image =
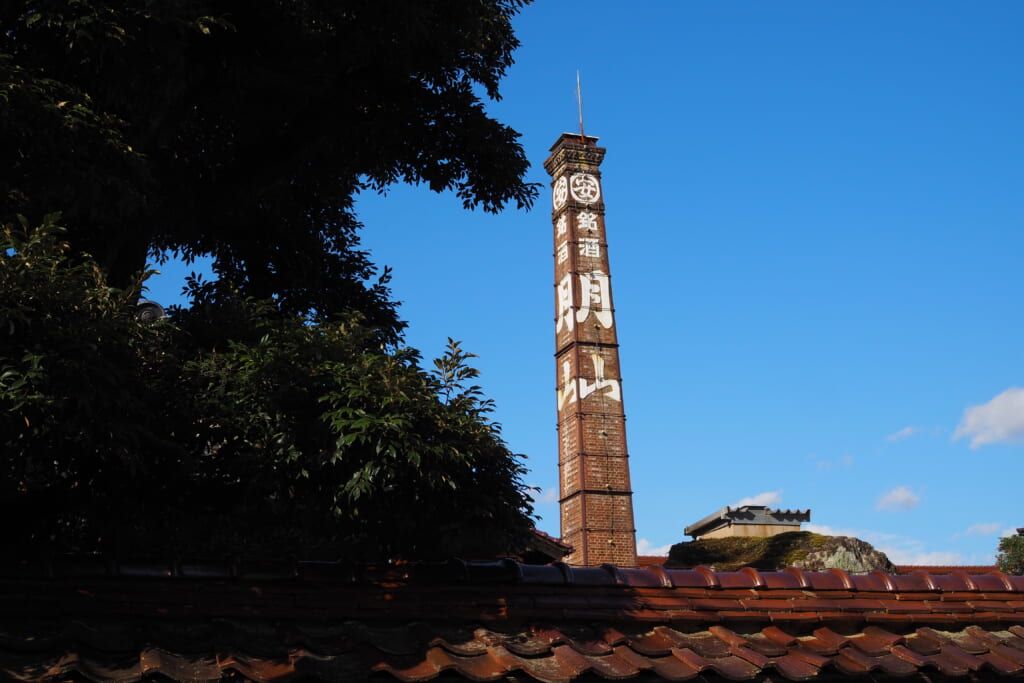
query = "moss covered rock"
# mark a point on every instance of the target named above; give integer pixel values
(803, 549)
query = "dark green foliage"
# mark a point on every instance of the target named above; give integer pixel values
(242, 129)
(1010, 557)
(232, 427)
(72, 381)
(277, 413)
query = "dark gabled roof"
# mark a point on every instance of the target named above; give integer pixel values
(491, 621)
(543, 545)
(746, 514)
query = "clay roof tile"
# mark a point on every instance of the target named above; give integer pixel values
(485, 621)
(796, 668)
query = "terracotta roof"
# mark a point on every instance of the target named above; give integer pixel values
(544, 545)
(946, 569)
(102, 621)
(648, 560)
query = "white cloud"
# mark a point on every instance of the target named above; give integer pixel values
(909, 556)
(900, 498)
(1001, 420)
(766, 498)
(1007, 532)
(644, 547)
(899, 549)
(845, 461)
(983, 529)
(902, 434)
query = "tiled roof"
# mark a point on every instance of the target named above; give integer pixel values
(553, 539)
(648, 560)
(547, 546)
(504, 620)
(946, 569)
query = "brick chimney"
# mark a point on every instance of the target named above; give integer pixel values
(593, 464)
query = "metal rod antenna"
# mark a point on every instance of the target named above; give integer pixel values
(579, 101)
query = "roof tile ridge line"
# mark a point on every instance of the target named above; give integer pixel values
(966, 578)
(710, 577)
(890, 585)
(801, 576)
(755, 576)
(659, 571)
(568, 578)
(1005, 578)
(516, 567)
(112, 565)
(614, 572)
(844, 576)
(929, 582)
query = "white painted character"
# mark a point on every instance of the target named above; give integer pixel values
(586, 220)
(600, 383)
(585, 188)
(590, 246)
(563, 252)
(565, 317)
(560, 225)
(567, 394)
(559, 193)
(596, 298)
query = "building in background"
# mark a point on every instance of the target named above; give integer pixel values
(747, 520)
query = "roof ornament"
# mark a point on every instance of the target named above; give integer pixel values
(147, 311)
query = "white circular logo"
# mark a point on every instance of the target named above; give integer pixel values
(585, 188)
(559, 193)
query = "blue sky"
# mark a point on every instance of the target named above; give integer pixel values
(814, 214)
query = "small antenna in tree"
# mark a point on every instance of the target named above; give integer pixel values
(579, 101)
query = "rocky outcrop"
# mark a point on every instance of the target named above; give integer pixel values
(847, 553)
(803, 549)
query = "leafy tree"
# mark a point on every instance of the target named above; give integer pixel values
(232, 427)
(243, 129)
(278, 412)
(1011, 554)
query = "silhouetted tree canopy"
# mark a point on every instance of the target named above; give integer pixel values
(231, 428)
(277, 412)
(241, 129)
